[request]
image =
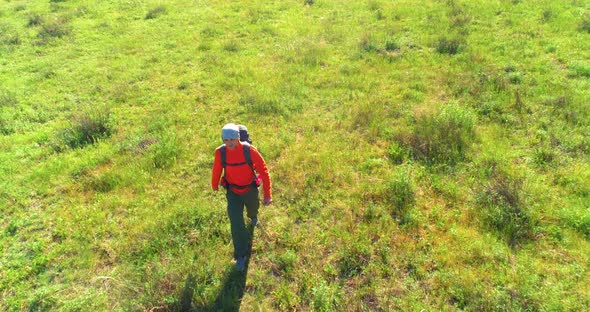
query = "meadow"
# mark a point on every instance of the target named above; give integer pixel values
(425, 155)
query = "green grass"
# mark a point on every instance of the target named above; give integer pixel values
(424, 156)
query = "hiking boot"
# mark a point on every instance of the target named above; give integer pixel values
(241, 264)
(254, 222)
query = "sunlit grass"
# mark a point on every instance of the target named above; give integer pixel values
(424, 156)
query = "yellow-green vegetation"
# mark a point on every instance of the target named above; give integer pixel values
(426, 155)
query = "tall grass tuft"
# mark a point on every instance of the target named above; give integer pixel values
(578, 219)
(391, 45)
(56, 28)
(367, 43)
(325, 297)
(5, 126)
(400, 195)
(585, 23)
(88, 128)
(443, 138)
(354, 259)
(287, 262)
(503, 210)
(165, 152)
(7, 98)
(449, 46)
(155, 12)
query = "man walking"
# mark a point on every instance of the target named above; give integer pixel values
(240, 162)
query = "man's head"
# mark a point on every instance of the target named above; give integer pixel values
(230, 133)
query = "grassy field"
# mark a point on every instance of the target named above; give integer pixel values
(425, 155)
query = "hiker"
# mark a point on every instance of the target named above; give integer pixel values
(241, 182)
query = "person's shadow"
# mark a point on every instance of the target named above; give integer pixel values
(230, 296)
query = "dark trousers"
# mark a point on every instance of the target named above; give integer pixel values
(235, 210)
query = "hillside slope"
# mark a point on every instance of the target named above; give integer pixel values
(425, 155)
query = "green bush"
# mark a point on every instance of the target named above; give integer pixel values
(325, 297)
(231, 46)
(56, 28)
(88, 128)
(391, 45)
(104, 183)
(579, 70)
(585, 23)
(367, 43)
(287, 261)
(449, 46)
(7, 98)
(165, 152)
(582, 224)
(444, 138)
(577, 218)
(544, 156)
(459, 18)
(6, 127)
(396, 153)
(353, 259)
(400, 195)
(285, 299)
(155, 12)
(35, 20)
(503, 210)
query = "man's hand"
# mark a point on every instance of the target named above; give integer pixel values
(267, 201)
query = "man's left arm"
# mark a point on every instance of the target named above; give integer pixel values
(262, 170)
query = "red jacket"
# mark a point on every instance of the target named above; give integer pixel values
(240, 175)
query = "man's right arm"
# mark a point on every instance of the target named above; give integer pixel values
(216, 172)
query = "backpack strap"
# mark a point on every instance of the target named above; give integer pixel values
(247, 155)
(223, 155)
(223, 152)
(246, 150)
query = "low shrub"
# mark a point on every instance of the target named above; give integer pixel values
(287, 261)
(285, 299)
(354, 259)
(155, 12)
(6, 127)
(165, 152)
(443, 138)
(391, 45)
(400, 195)
(544, 156)
(585, 23)
(7, 98)
(231, 46)
(548, 14)
(503, 210)
(460, 19)
(367, 44)
(396, 153)
(582, 224)
(88, 128)
(103, 183)
(579, 70)
(56, 28)
(12, 40)
(326, 297)
(449, 46)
